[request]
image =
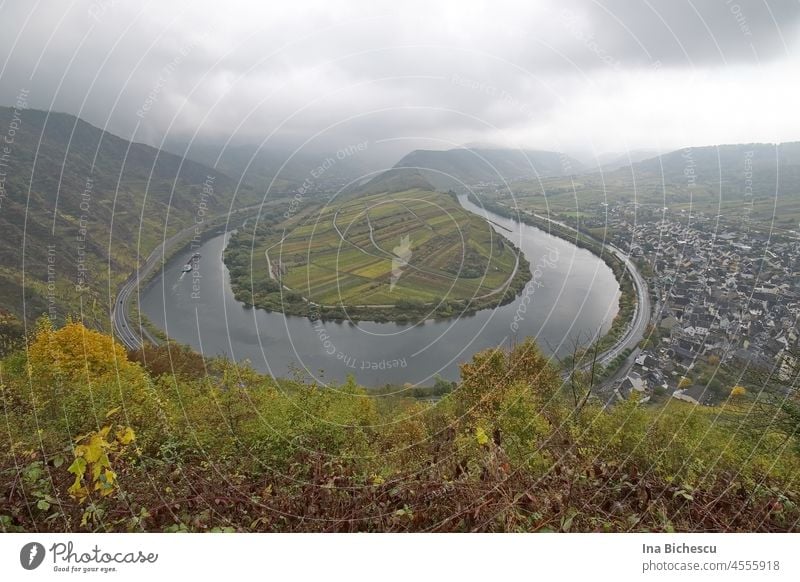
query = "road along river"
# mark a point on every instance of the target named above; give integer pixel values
(572, 293)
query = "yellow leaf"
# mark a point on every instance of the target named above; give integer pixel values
(78, 467)
(78, 490)
(481, 436)
(126, 435)
(101, 464)
(106, 482)
(94, 449)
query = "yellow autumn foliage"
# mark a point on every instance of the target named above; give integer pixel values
(79, 376)
(93, 453)
(481, 437)
(75, 353)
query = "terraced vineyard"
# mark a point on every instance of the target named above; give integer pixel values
(385, 256)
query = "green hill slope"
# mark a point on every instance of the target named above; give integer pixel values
(79, 204)
(508, 449)
(726, 179)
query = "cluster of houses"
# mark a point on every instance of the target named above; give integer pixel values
(726, 292)
(722, 295)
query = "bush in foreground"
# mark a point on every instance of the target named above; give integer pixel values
(97, 442)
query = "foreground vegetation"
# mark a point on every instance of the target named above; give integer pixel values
(95, 439)
(405, 256)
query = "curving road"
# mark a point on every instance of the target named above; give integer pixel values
(641, 313)
(122, 328)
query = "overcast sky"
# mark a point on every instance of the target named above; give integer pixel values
(567, 75)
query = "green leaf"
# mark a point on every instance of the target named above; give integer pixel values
(78, 467)
(33, 472)
(43, 505)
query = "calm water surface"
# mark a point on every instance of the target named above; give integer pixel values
(573, 292)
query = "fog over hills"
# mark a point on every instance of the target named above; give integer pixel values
(564, 76)
(729, 172)
(456, 168)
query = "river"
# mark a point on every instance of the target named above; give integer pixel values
(572, 292)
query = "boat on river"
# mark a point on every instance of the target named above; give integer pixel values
(190, 263)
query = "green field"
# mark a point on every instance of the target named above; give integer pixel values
(377, 256)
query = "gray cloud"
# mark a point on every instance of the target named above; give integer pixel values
(694, 33)
(564, 75)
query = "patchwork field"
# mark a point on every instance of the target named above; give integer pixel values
(400, 252)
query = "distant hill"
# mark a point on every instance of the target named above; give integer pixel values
(726, 178)
(77, 204)
(395, 180)
(726, 163)
(610, 161)
(280, 169)
(452, 169)
(761, 180)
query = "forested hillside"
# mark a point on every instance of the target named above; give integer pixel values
(761, 180)
(80, 204)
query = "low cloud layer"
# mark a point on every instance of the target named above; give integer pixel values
(569, 75)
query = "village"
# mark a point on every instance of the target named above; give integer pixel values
(726, 296)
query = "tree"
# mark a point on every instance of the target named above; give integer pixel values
(78, 376)
(581, 367)
(738, 391)
(170, 358)
(491, 373)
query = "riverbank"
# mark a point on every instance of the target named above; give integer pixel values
(574, 294)
(130, 335)
(623, 321)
